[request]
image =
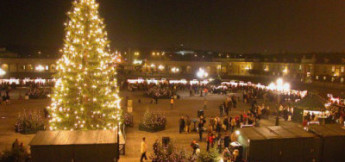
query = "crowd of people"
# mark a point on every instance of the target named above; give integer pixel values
(18, 152)
(5, 90)
(160, 92)
(35, 92)
(220, 130)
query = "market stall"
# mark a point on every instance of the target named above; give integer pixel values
(309, 105)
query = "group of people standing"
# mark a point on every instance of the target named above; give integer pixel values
(5, 95)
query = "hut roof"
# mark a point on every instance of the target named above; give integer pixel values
(312, 102)
(274, 132)
(74, 137)
(328, 130)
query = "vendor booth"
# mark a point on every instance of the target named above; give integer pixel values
(92, 145)
(312, 104)
(277, 143)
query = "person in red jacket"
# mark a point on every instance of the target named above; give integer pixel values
(210, 141)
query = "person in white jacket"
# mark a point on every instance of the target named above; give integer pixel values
(143, 149)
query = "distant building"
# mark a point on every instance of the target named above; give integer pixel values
(183, 64)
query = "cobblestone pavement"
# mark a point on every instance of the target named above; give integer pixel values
(186, 106)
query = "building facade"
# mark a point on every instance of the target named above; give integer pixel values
(172, 65)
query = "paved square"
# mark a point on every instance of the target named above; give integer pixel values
(186, 106)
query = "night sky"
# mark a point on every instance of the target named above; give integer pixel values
(244, 26)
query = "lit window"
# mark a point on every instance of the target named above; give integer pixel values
(39, 68)
(342, 69)
(333, 68)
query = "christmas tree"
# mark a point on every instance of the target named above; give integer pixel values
(85, 95)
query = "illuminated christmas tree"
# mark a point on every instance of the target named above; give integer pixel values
(85, 95)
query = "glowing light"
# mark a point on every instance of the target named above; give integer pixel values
(204, 82)
(161, 67)
(175, 70)
(2, 72)
(201, 73)
(193, 82)
(150, 81)
(39, 68)
(237, 132)
(40, 80)
(286, 87)
(133, 81)
(279, 81)
(182, 81)
(137, 62)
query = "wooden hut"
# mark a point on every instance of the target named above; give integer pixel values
(92, 145)
(279, 143)
(333, 141)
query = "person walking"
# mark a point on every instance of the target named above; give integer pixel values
(221, 110)
(234, 101)
(226, 123)
(171, 103)
(209, 140)
(226, 109)
(212, 123)
(226, 140)
(182, 124)
(194, 146)
(201, 128)
(188, 123)
(218, 124)
(219, 143)
(156, 99)
(143, 149)
(233, 124)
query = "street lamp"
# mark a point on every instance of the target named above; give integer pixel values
(201, 74)
(280, 87)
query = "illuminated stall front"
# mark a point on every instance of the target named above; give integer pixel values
(312, 104)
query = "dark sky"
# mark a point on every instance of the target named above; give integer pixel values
(228, 25)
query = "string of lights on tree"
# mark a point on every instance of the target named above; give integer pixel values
(85, 95)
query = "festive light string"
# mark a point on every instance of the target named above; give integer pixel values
(85, 95)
